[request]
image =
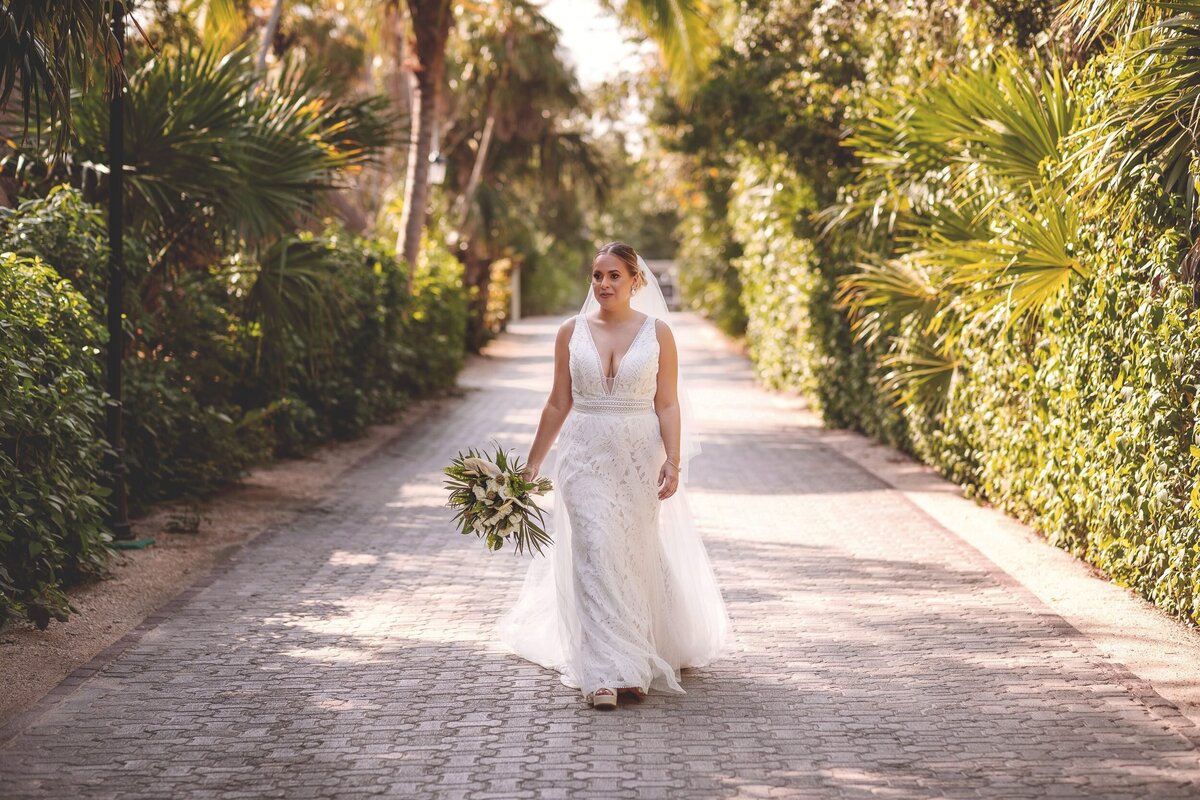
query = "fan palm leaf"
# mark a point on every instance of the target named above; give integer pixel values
(1007, 116)
(1096, 18)
(293, 296)
(921, 373)
(213, 147)
(1155, 123)
(898, 169)
(994, 129)
(1027, 267)
(1162, 103)
(880, 296)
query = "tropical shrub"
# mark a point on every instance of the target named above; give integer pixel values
(66, 232)
(708, 280)
(270, 354)
(185, 430)
(218, 153)
(776, 273)
(437, 325)
(1079, 420)
(51, 507)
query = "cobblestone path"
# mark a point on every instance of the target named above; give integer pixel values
(351, 654)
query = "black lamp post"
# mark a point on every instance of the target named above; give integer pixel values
(116, 284)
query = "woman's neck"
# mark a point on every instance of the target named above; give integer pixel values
(615, 315)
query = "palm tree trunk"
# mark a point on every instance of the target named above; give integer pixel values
(477, 273)
(485, 141)
(431, 26)
(269, 34)
(399, 77)
(416, 193)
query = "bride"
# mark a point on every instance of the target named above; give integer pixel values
(626, 596)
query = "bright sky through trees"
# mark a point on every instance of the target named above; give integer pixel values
(592, 39)
(594, 43)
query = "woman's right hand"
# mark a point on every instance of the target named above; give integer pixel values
(530, 473)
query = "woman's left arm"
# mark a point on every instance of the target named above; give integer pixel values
(666, 405)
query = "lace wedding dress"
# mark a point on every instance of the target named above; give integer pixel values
(626, 595)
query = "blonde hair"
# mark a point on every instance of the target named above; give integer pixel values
(627, 256)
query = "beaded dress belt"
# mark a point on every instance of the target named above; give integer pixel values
(613, 405)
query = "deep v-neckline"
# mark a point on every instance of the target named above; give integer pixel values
(600, 362)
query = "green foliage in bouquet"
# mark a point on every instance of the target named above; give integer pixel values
(494, 500)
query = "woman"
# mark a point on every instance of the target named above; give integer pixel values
(627, 597)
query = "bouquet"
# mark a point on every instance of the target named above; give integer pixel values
(495, 502)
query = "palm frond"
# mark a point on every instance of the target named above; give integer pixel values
(923, 373)
(223, 24)
(214, 148)
(1008, 116)
(44, 48)
(951, 217)
(295, 301)
(1094, 19)
(992, 130)
(1027, 267)
(1161, 107)
(684, 33)
(882, 295)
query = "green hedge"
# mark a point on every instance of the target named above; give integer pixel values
(1089, 432)
(778, 274)
(707, 249)
(437, 327)
(208, 397)
(216, 378)
(797, 339)
(1086, 432)
(51, 512)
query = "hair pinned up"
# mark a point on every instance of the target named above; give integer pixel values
(628, 256)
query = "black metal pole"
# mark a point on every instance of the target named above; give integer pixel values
(116, 284)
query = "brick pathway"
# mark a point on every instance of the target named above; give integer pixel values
(351, 655)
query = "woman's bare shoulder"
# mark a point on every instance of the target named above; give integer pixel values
(565, 330)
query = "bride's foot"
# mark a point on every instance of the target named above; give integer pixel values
(636, 691)
(603, 698)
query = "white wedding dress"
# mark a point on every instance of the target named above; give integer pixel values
(626, 595)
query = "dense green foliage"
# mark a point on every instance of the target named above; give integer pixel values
(797, 338)
(51, 508)
(1087, 429)
(955, 236)
(230, 367)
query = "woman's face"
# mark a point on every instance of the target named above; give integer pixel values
(611, 282)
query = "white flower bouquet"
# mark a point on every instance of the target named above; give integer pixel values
(494, 500)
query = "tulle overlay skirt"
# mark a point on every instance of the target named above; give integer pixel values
(626, 595)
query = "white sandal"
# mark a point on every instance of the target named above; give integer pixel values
(603, 698)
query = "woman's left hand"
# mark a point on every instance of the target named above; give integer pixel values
(668, 480)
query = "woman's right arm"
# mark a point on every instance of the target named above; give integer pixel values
(554, 413)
